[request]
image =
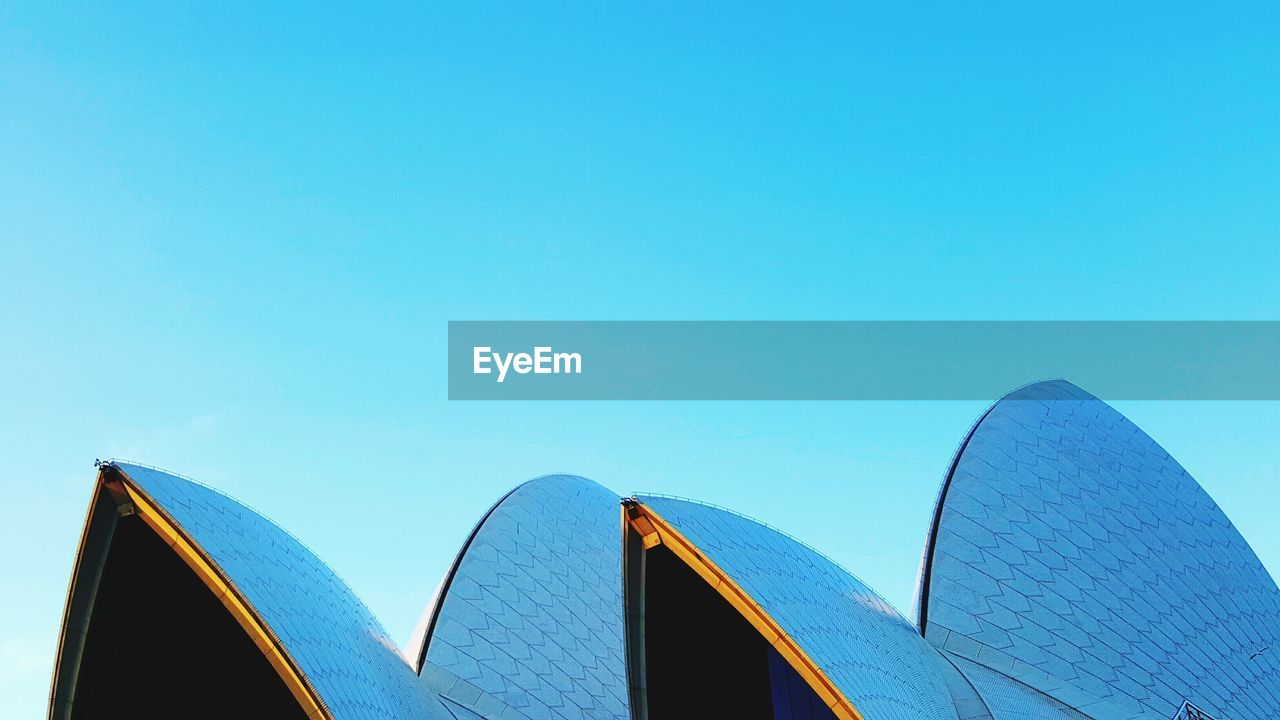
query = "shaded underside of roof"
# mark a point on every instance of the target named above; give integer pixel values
(873, 655)
(343, 651)
(1074, 571)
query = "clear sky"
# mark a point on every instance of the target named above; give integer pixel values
(231, 239)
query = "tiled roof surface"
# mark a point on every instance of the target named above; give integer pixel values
(532, 623)
(348, 657)
(1008, 699)
(1077, 556)
(873, 654)
(1075, 571)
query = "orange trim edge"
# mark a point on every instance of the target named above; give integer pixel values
(649, 524)
(240, 609)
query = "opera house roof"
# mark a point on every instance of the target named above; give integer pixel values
(1073, 569)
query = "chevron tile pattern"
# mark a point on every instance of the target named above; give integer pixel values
(873, 654)
(1075, 555)
(532, 625)
(345, 653)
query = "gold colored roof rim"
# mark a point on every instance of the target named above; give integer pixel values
(654, 530)
(124, 490)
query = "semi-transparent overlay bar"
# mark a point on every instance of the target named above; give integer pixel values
(860, 360)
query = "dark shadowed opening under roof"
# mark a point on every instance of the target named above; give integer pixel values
(160, 645)
(704, 659)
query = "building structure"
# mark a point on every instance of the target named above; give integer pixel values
(1072, 570)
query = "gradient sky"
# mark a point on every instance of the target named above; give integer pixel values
(231, 239)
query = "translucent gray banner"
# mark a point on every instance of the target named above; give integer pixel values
(860, 360)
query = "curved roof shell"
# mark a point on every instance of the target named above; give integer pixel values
(1073, 571)
(873, 655)
(530, 620)
(1071, 552)
(343, 652)
(1007, 699)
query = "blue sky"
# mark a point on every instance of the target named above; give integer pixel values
(232, 238)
